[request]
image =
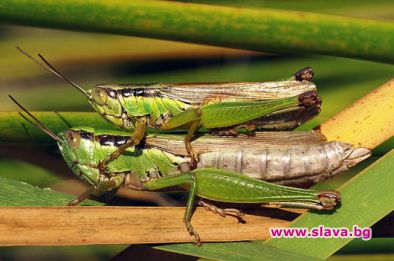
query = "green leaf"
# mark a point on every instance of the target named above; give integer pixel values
(14, 193)
(254, 29)
(234, 251)
(14, 129)
(26, 172)
(365, 200)
(358, 8)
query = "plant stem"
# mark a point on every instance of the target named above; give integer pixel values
(254, 29)
(366, 123)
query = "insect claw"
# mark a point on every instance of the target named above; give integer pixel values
(74, 202)
(192, 232)
(329, 199)
(198, 242)
(305, 74)
(309, 99)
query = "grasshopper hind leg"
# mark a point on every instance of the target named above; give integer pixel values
(182, 179)
(192, 117)
(247, 129)
(223, 212)
(188, 143)
(188, 214)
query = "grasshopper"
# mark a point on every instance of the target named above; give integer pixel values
(153, 169)
(223, 108)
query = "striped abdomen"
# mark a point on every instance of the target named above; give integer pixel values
(287, 165)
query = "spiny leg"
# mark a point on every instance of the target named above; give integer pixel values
(169, 181)
(81, 197)
(101, 188)
(225, 131)
(247, 129)
(285, 204)
(188, 214)
(192, 116)
(138, 135)
(188, 143)
(223, 212)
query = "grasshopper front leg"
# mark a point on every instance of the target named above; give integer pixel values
(182, 179)
(101, 188)
(138, 135)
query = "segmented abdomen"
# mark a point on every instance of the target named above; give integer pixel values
(285, 165)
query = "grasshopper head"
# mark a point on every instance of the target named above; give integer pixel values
(76, 146)
(78, 150)
(104, 99)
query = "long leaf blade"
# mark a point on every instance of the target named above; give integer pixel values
(262, 30)
(366, 198)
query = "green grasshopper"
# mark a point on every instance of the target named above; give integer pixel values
(152, 169)
(223, 108)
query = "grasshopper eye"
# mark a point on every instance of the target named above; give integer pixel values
(100, 96)
(73, 138)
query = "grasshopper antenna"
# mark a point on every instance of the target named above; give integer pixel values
(45, 64)
(37, 123)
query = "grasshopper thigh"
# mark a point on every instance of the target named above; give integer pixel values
(181, 119)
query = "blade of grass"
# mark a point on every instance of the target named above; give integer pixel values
(17, 169)
(365, 199)
(375, 245)
(357, 8)
(13, 129)
(366, 123)
(15, 193)
(235, 251)
(261, 30)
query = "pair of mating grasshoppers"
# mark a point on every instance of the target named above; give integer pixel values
(218, 168)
